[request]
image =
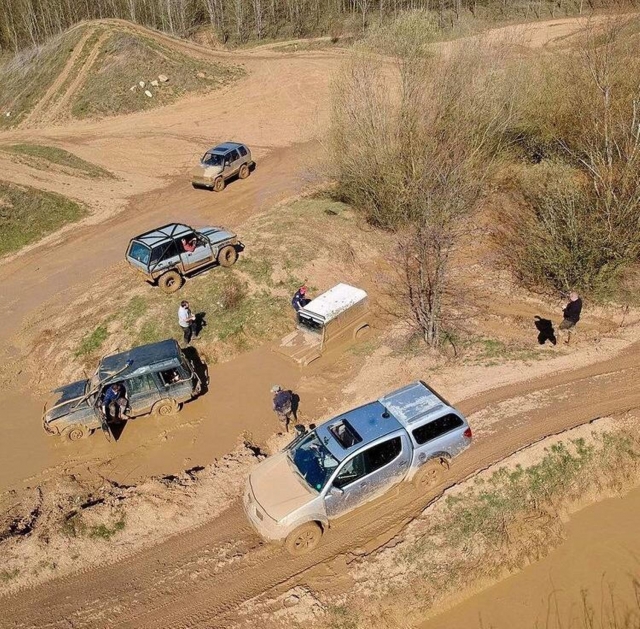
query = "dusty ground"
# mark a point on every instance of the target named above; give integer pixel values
(199, 578)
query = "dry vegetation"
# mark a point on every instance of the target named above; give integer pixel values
(560, 134)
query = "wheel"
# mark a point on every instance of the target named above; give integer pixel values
(163, 408)
(304, 539)
(218, 184)
(227, 256)
(430, 474)
(244, 171)
(362, 332)
(170, 282)
(75, 433)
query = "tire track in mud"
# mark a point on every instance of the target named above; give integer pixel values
(172, 585)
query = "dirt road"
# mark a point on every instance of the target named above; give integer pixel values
(200, 578)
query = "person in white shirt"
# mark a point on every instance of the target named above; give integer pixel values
(187, 321)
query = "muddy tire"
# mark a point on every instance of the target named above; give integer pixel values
(362, 332)
(304, 539)
(164, 408)
(170, 282)
(244, 171)
(75, 433)
(218, 184)
(430, 474)
(227, 256)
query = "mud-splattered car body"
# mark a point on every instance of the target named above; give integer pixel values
(220, 163)
(168, 254)
(157, 378)
(331, 321)
(408, 435)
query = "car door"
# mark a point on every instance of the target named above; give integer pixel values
(142, 392)
(200, 256)
(233, 160)
(367, 475)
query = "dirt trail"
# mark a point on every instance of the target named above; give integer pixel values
(59, 106)
(182, 583)
(39, 112)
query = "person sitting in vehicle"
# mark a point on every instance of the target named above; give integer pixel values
(114, 402)
(189, 245)
(170, 376)
(300, 300)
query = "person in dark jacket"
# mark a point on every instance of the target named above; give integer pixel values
(300, 298)
(282, 404)
(571, 314)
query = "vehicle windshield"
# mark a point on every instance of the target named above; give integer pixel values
(212, 159)
(140, 252)
(313, 461)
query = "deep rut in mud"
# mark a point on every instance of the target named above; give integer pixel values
(199, 579)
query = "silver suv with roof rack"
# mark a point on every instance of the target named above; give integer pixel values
(168, 254)
(411, 434)
(220, 163)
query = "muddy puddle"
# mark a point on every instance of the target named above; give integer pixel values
(591, 580)
(237, 405)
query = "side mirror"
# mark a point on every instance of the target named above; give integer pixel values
(336, 491)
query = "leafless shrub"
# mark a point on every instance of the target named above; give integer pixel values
(581, 229)
(232, 293)
(411, 145)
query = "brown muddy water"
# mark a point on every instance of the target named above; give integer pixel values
(591, 581)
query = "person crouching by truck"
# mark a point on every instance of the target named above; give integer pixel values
(300, 300)
(282, 404)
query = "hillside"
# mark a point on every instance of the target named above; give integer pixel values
(100, 69)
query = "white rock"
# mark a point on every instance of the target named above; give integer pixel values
(154, 83)
(201, 75)
(133, 88)
(8, 114)
(148, 93)
(163, 78)
(141, 84)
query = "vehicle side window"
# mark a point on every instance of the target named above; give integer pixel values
(233, 156)
(351, 472)
(436, 428)
(383, 453)
(141, 384)
(243, 151)
(164, 252)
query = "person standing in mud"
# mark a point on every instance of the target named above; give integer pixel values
(571, 314)
(187, 321)
(283, 405)
(299, 299)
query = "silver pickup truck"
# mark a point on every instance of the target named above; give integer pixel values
(408, 435)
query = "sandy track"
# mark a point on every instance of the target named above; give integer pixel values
(199, 579)
(41, 106)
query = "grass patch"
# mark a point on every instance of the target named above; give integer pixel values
(102, 531)
(42, 157)
(26, 77)
(93, 342)
(8, 575)
(28, 214)
(126, 59)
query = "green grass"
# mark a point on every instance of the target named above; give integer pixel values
(102, 531)
(42, 157)
(26, 76)
(93, 342)
(28, 214)
(8, 575)
(126, 59)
